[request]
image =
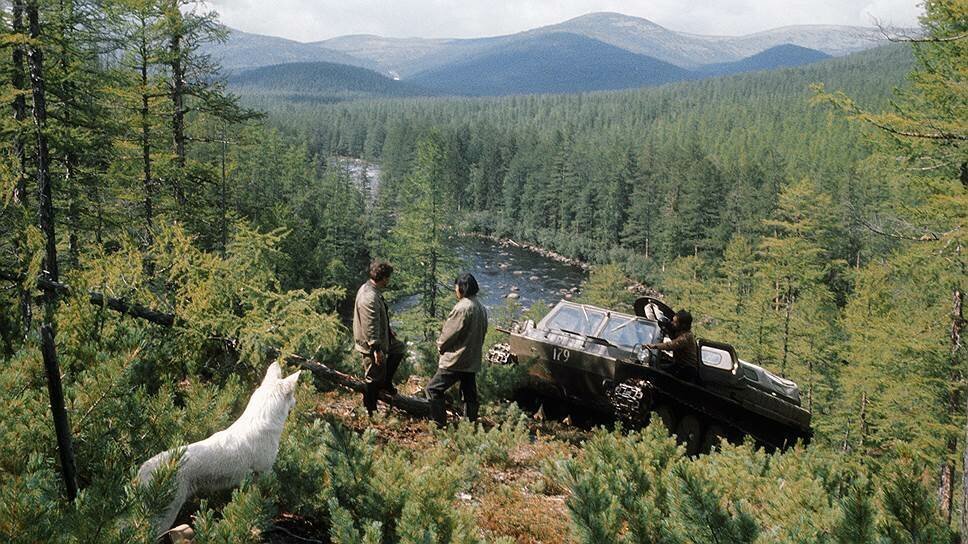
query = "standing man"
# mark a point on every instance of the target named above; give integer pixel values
(374, 338)
(461, 346)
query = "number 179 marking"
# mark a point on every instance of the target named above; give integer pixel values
(559, 354)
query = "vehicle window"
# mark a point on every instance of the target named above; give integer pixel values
(716, 358)
(626, 332)
(574, 318)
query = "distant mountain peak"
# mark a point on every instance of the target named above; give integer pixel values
(407, 57)
(610, 17)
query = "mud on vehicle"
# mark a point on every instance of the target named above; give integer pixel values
(594, 358)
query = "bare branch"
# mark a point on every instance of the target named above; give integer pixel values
(940, 135)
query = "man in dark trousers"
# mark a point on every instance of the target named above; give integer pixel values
(685, 352)
(373, 337)
(461, 345)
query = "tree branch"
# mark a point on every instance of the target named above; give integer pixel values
(99, 299)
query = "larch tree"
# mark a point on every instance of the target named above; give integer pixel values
(420, 238)
(49, 267)
(925, 135)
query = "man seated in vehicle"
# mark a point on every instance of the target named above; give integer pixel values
(685, 352)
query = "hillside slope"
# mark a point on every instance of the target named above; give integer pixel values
(781, 56)
(243, 50)
(693, 50)
(410, 56)
(550, 63)
(319, 80)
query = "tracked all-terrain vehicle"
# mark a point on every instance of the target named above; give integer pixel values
(594, 358)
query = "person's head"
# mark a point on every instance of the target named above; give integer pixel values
(380, 272)
(682, 321)
(465, 286)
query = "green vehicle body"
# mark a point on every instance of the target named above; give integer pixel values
(593, 358)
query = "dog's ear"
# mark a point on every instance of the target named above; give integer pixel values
(273, 373)
(291, 381)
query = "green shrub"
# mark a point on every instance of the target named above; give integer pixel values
(490, 446)
(244, 518)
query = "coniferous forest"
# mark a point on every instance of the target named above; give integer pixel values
(165, 236)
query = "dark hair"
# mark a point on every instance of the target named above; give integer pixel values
(467, 285)
(685, 320)
(380, 270)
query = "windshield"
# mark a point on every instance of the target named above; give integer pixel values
(627, 332)
(575, 319)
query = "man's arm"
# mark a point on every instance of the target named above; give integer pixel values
(371, 317)
(452, 331)
(672, 345)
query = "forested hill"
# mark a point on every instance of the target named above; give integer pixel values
(763, 116)
(781, 56)
(550, 63)
(319, 81)
(244, 50)
(542, 63)
(597, 51)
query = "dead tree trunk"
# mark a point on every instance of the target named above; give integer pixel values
(947, 471)
(957, 349)
(148, 184)
(99, 299)
(964, 485)
(46, 222)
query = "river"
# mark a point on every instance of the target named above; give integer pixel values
(509, 272)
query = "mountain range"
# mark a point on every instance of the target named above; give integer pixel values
(598, 51)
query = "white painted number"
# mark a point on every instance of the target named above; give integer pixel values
(560, 354)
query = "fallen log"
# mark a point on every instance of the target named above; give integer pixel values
(415, 406)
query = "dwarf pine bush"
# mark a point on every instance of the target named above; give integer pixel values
(242, 520)
(639, 487)
(488, 446)
(365, 493)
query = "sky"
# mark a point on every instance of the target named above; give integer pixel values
(311, 20)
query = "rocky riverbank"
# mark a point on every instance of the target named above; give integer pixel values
(633, 287)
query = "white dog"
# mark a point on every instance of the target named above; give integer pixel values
(222, 460)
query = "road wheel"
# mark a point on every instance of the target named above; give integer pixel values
(689, 433)
(666, 415)
(713, 437)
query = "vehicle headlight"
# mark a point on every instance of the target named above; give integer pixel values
(641, 354)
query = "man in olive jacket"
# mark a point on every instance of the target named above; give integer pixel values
(461, 345)
(373, 337)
